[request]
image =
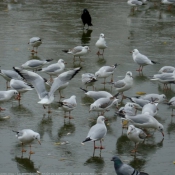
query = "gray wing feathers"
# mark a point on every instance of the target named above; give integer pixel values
(119, 84)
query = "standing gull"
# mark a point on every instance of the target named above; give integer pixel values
(86, 18)
(54, 69)
(68, 105)
(8, 75)
(78, 51)
(105, 72)
(97, 132)
(26, 136)
(124, 84)
(101, 44)
(35, 64)
(35, 42)
(20, 86)
(141, 60)
(136, 135)
(88, 79)
(124, 169)
(134, 3)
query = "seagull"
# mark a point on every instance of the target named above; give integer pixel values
(35, 64)
(26, 136)
(95, 95)
(124, 169)
(124, 84)
(145, 121)
(88, 79)
(136, 135)
(134, 3)
(101, 44)
(54, 69)
(165, 78)
(78, 51)
(8, 75)
(105, 72)
(102, 104)
(86, 18)
(141, 60)
(167, 69)
(20, 86)
(59, 83)
(154, 97)
(7, 95)
(150, 108)
(68, 105)
(35, 42)
(97, 132)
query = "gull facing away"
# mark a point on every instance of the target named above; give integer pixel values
(105, 72)
(34, 64)
(26, 136)
(54, 69)
(95, 95)
(68, 105)
(103, 104)
(124, 169)
(165, 78)
(7, 95)
(97, 132)
(136, 135)
(78, 51)
(167, 69)
(141, 60)
(101, 44)
(124, 84)
(61, 82)
(86, 18)
(35, 42)
(21, 87)
(88, 79)
(150, 108)
(8, 75)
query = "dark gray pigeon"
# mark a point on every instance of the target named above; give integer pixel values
(124, 169)
(86, 18)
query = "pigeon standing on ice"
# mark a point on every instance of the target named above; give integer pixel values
(86, 18)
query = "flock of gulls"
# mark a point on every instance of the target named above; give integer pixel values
(26, 78)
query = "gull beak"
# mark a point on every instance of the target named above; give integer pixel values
(106, 119)
(130, 51)
(129, 133)
(39, 142)
(65, 63)
(162, 134)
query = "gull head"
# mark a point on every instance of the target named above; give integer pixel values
(101, 119)
(131, 128)
(135, 51)
(102, 35)
(160, 128)
(129, 74)
(37, 137)
(92, 107)
(87, 48)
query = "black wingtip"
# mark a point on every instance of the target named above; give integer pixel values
(65, 51)
(83, 89)
(48, 60)
(87, 140)
(154, 62)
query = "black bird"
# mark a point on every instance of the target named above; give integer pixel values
(86, 18)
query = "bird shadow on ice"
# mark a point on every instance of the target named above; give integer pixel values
(25, 165)
(101, 61)
(67, 128)
(86, 37)
(31, 57)
(96, 163)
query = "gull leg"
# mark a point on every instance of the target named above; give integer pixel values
(33, 50)
(112, 78)
(101, 147)
(2, 109)
(74, 59)
(139, 69)
(31, 152)
(70, 117)
(81, 59)
(135, 150)
(22, 150)
(60, 94)
(95, 147)
(49, 111)
(104, 81)
(98, 53)
(172, 113)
